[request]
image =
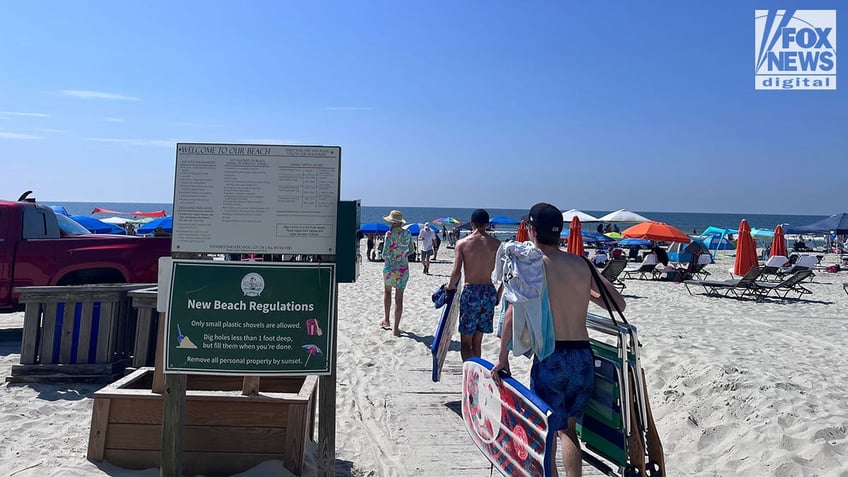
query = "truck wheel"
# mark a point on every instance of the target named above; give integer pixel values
(92, 276)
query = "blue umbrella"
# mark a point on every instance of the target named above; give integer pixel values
(589, 237)
(97, 226)
(634, 242)
(167, 224)
(501, 220)
(374, 228)
(414, 228)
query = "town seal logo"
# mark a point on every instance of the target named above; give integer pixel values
(252, 284)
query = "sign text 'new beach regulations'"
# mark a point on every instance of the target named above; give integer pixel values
(250, 318)
(238, 198)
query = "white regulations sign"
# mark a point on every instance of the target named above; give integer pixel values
(239, 198)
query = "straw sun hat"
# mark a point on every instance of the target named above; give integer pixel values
(395, 217)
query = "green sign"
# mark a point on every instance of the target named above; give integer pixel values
(258, 319)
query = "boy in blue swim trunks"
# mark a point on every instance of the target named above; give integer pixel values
(565, 378)
(474, 256)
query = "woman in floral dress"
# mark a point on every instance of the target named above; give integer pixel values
(398, 243)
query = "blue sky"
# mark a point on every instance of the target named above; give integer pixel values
(643, 105)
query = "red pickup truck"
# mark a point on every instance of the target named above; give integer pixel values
(39, 247)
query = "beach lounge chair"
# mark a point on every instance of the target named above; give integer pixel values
(773, 265)
(804, 262)
(642, 272)
(700, 271)
(612, 271)
(738, 286)
(791, 284)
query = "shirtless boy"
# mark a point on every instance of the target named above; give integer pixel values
(565, 378)
(474, 256)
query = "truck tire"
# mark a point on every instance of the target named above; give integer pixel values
(92, 276)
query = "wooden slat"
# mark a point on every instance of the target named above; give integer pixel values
(84, 344)
(220, 412)
(97, 434)
(66, 339)
(142, 337)
(173, 423)
(105, 333)
(208, 464)
(250, 385)
(48, 333)
(296, 438)
(200, 438)
(31, 333)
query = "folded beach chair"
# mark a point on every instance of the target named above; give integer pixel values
(773, 265)
(804, 262)
(642, 272)
(791, 284)
(737, 286)
(612, 271)
(617, 429)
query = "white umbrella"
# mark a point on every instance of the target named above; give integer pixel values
(624, 215)
(583, 216)
(115, 220)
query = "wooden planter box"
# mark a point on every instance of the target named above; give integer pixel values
(83, 333)
(225, 432)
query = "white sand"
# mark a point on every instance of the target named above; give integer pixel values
(737, 387)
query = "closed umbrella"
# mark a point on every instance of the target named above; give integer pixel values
(575, 237)
(656, 231)
(522, 235)
(778, 243)
(746, 250)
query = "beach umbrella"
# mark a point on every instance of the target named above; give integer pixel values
(414, 228)
(96, 226)
(778, 243)
(623, 215)
(446, 220)
(311, 350)
(634, 242)
(522, 235)
(501, 220)
(166, 223)
(60, 209)
(583, 216)
(614, 235)
(588, 237)
(746, 250)
(374, 228)
(656, 231)
(575, 237)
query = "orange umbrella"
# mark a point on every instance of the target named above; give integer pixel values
(778, 243)
(656, 231)
(522, 235)
(746, 250)
(575, 237)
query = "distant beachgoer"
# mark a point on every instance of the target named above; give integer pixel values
(444, 232)
(398, 242)
(436, 244)
(370, 243)
(474, 257)
(428, 237)
(600, 228)
(563, 371)
(615, 228)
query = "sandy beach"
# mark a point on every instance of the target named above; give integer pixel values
(738, 387)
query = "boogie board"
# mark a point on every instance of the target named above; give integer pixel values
(444, 332)
(508, 423)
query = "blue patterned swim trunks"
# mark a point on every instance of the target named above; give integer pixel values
(477, 308)
(565, 380)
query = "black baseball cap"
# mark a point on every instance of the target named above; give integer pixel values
(480, 217)
(546, 219)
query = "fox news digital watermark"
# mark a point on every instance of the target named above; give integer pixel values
(795, 49)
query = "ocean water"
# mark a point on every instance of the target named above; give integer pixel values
(685, 221)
